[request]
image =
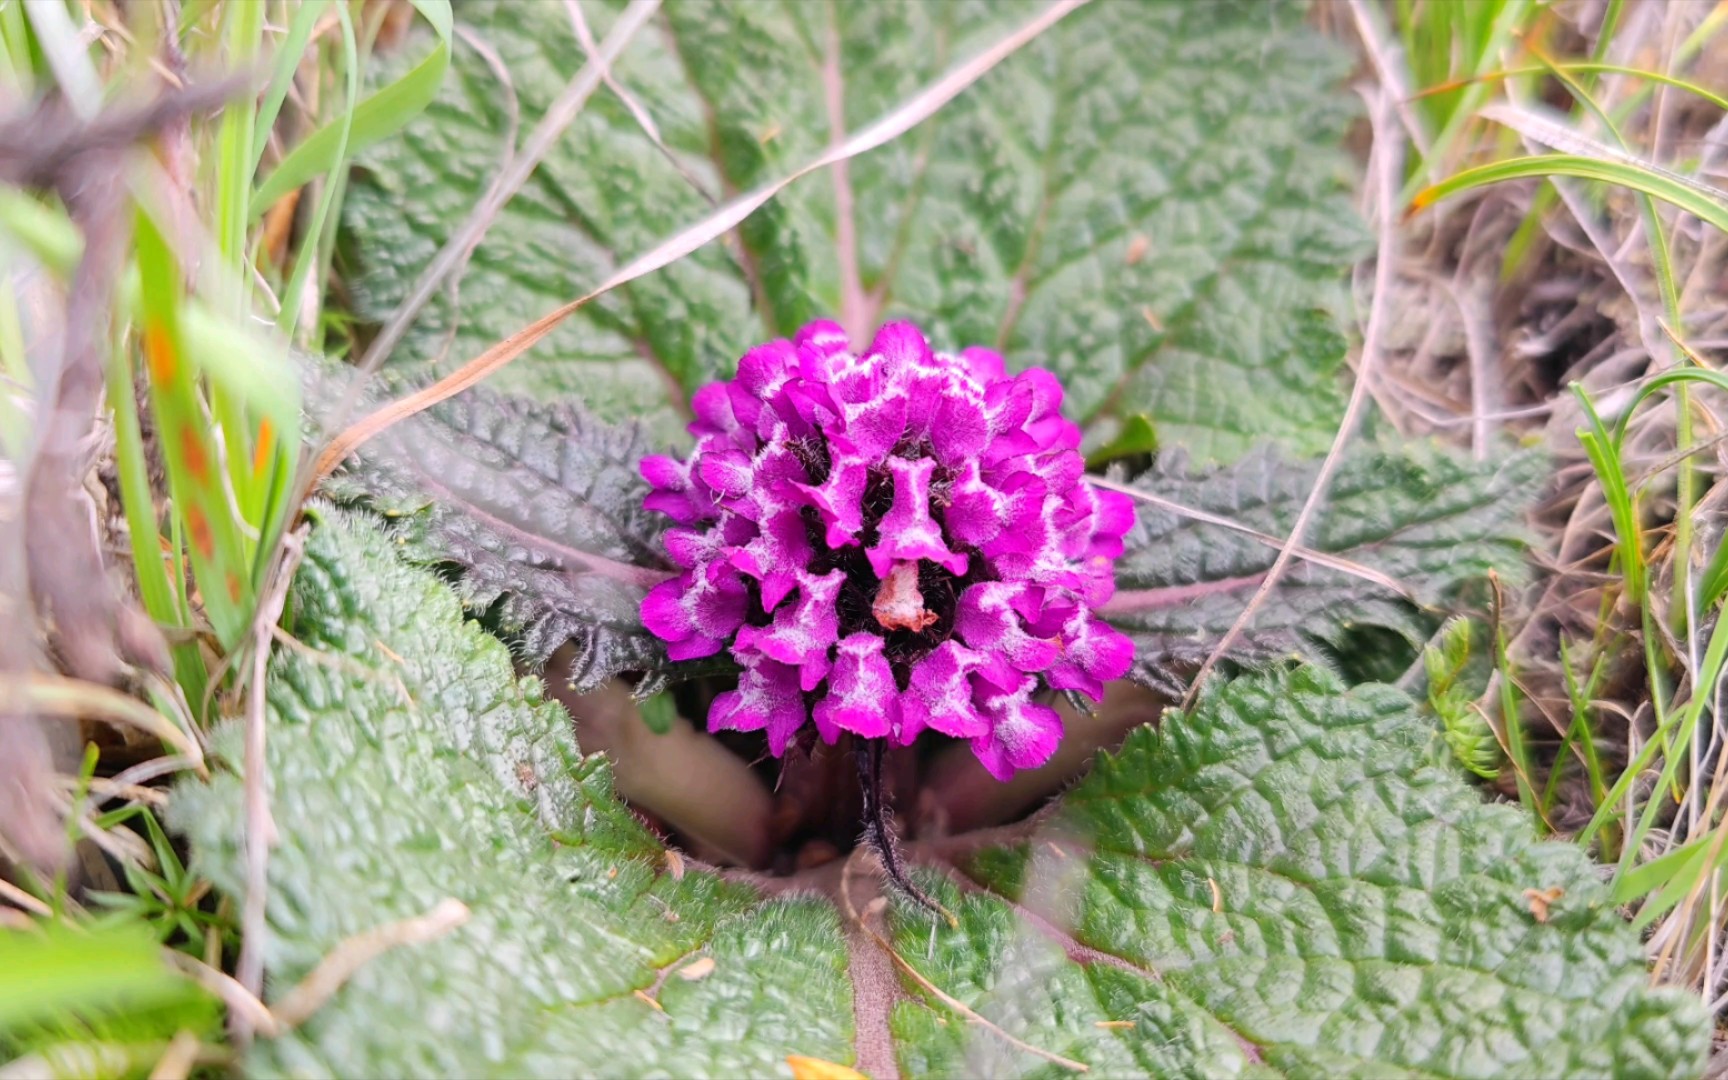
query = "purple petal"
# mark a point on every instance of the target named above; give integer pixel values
(663, 610)
(1025, 525)
(907, 530)
(730, 473)
(1009, 406)
(1093, 653)
(840, 500)
(808, 406)
(691, 548)
(986, 364)
(975, 510)
(1111, 521)
(802, 634)
(1023, 734)
(856, 379)
(822, 339)
(873, 427)
(900, 345)
(986, 620)
(776, 555)
(960, 431)
(765, 369)
(767, 697)
(696, 611)
(862, 697)
(939, 695)
(1097, 581)
(674, 493)
(713, 406)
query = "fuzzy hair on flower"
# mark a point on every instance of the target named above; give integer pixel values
(889, 542)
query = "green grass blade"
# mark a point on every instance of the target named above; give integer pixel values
(288, 56)
(1663, 881)
(1589, 67)
(61, 970)
(17, 73)
(161, 601)
(68, 56)
(1495, 24)
(1707, 376)
(217, 545)
(307, 259)
(1579, 698)
(1704, 202)
(1715, 579)
(1682, 724)
(234, 140)
(44, 230)
(379, 116)
(15, 421)
(242, 363)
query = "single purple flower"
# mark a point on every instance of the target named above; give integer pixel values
(888, 542)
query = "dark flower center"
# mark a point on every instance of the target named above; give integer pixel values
(938, 588)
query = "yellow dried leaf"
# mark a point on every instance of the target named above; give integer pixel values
(699, 968)
(1540, 899)
(809, 1068)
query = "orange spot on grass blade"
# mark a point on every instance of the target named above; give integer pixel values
(192, 453)
(266, 445)
(1419, 202)
(203, 540)
(159, 352)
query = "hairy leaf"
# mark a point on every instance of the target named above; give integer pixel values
(1150, 200)
(408, 764)
(1290, 881)
(1419, 515)
(540, 508)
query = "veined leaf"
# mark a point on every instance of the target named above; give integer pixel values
(415, 766)
(1420, 516)
(1148, 200)
(1291, 880)
(540, 507)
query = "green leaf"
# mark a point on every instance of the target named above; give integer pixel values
(1419, 516)
(1454, 687)
(659, 712)
(1149, 200)
(1290, 880)
(1369, 916)
(540, 508)
(1137, 436)
(56, 971)
(93, 1000)
(409, 764)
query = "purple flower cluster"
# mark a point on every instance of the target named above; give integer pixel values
(889, 542)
